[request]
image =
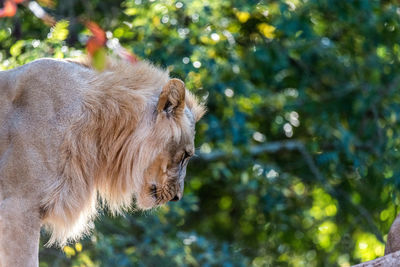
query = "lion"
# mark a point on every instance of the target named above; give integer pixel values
(70, 136)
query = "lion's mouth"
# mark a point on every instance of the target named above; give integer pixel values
(162, 195)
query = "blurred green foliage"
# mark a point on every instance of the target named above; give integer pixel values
(298, 155)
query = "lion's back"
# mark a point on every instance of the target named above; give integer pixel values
(42, 86)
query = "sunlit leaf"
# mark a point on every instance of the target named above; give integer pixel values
(15, 50)
(78, 247)
(267, 30)
(367, 246)
(243, 16)
(59, 32)
(99, 59)
(69, 251)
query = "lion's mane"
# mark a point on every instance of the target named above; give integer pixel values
(101, 151)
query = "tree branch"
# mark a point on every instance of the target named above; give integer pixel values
(276, 146)
(390, 260)
(271, 147)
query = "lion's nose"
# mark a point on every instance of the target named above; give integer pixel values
(175, 198)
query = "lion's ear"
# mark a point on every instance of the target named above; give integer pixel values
(172, 98)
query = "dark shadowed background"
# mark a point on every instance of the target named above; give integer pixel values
(298, 161)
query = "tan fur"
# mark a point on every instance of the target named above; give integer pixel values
(69, 134)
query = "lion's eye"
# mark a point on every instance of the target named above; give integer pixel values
(185, 157)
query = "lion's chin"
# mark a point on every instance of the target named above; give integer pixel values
(146, 203)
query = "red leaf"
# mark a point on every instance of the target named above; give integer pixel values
(132, 58)
(98, 33)
(98, 39)
(9, 9)
(18, 1)
(128, 56)
(93, 45)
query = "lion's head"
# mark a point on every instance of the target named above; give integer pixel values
(171, 144)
